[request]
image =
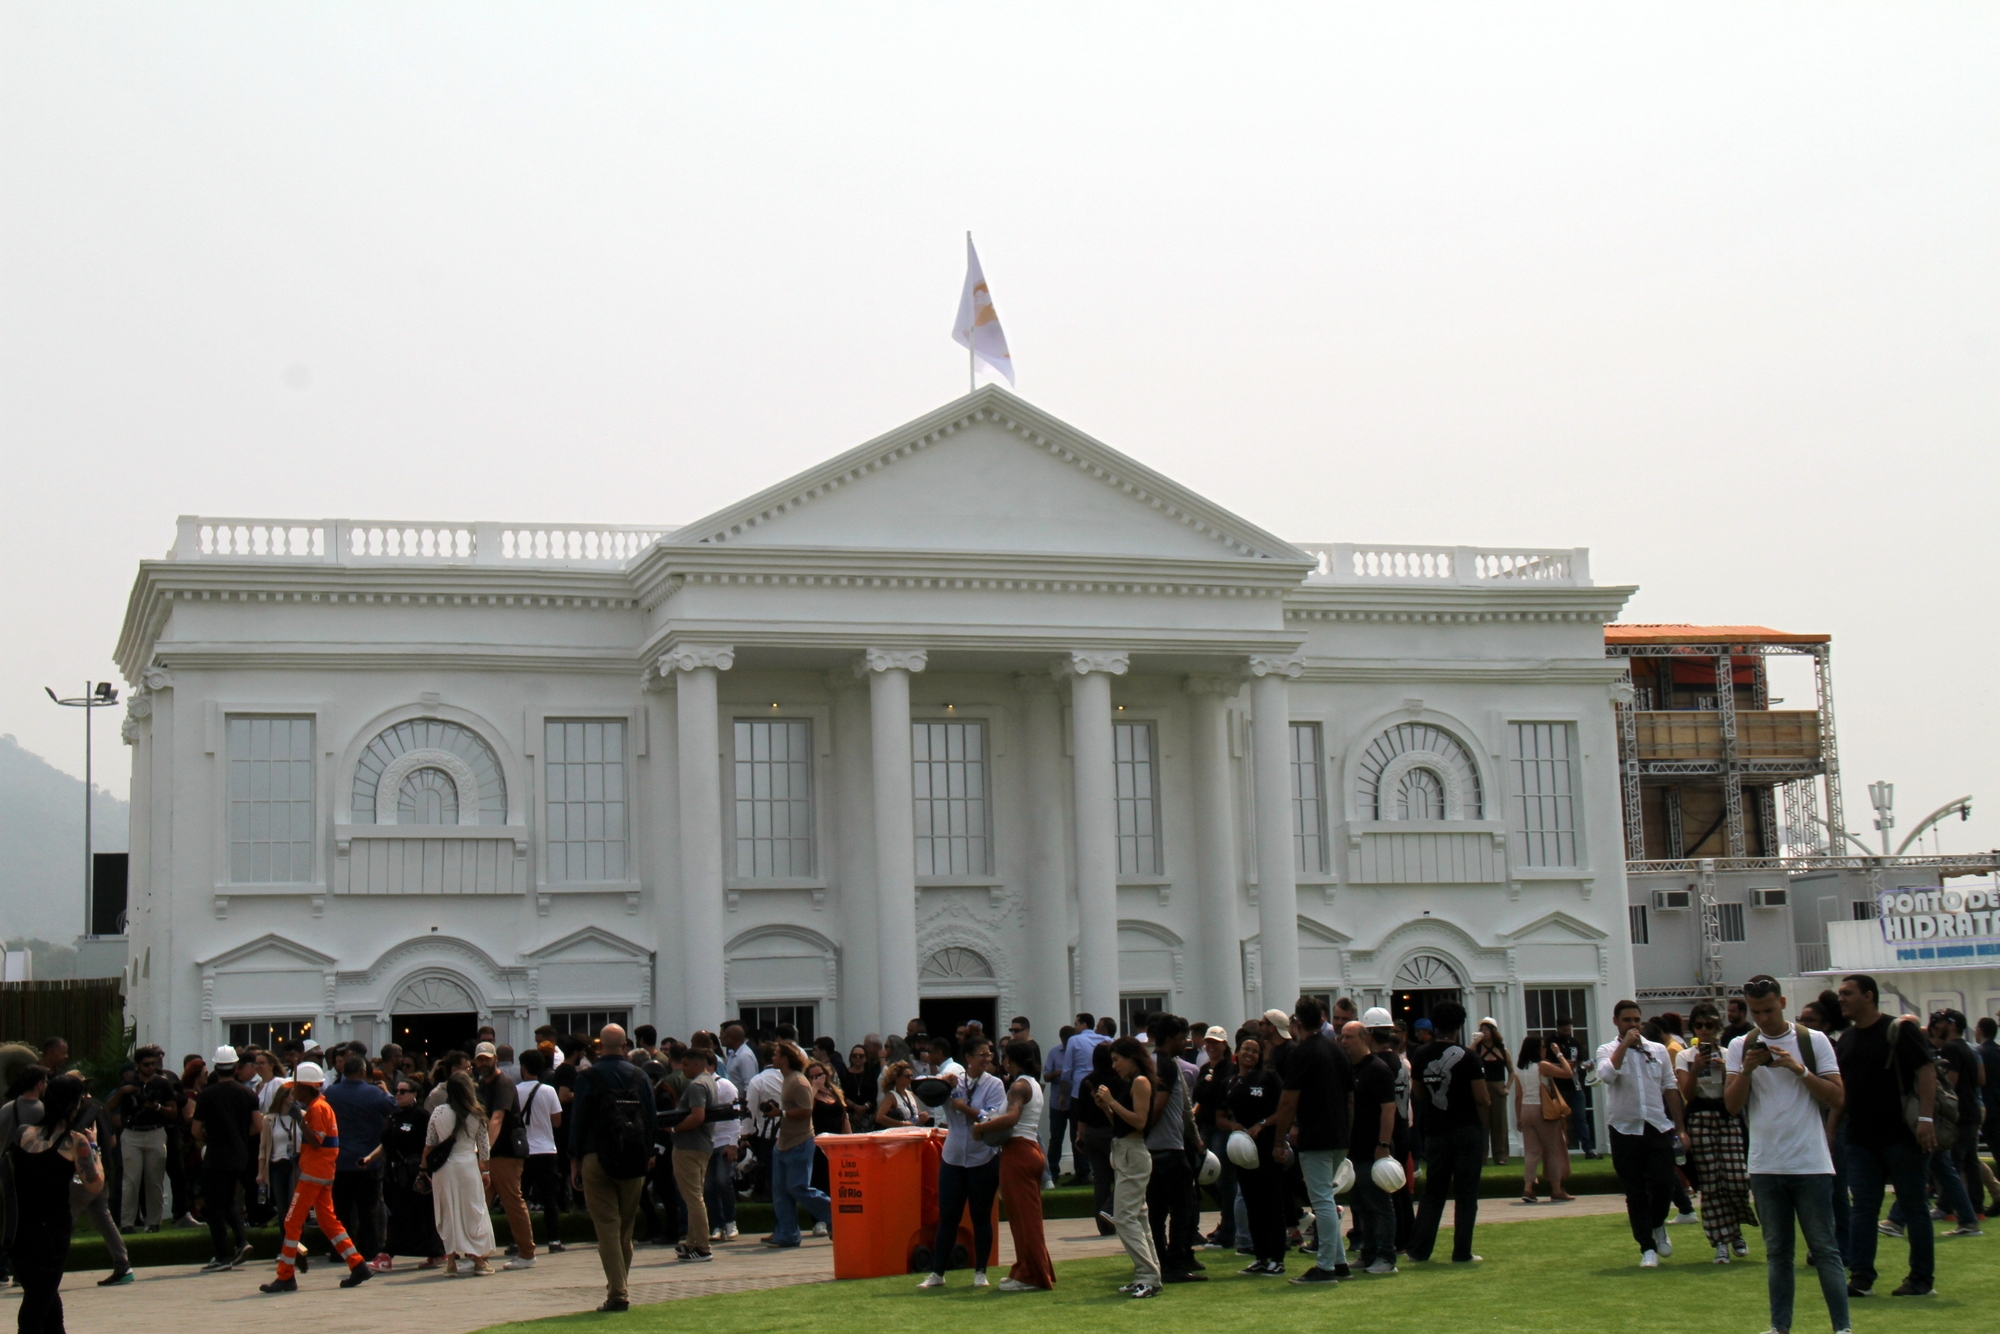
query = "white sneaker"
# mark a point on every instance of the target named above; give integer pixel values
(518, 1263)
(1381, 1267)
(715, 1234)
(979, 1278)
(1661, 1243)
(1016, 1285)
(932, 1281)
(1722, 1253)
(1741, 1247)
(729, 1232)
(1650, 1260)
(1684, 1217)
(820, 1230)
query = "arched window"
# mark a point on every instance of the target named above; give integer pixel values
(1415, 771)
(429, 771)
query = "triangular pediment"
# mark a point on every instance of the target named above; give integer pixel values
(268, 953)
(989, 472)
(1556, 928)
(589, 945)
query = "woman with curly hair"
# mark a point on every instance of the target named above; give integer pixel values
(1715, 1138)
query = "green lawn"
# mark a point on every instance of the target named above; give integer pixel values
(1537, 1276)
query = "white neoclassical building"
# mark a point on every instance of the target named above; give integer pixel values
(980, 717)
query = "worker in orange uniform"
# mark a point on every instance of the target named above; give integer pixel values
(318, 1150)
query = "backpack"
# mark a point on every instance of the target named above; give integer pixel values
(624, 1139)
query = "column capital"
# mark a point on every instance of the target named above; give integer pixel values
(1213, 685)
(1268, 664)
(688, 657)
(891, 660)
(1083, 663)
(156, 678)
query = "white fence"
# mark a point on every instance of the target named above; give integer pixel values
(408, 542)
(1441, 566)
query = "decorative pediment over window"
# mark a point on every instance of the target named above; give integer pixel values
(957, 964)
(1415, 771)
(427, 771)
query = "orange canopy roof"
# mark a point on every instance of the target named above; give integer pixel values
(1706, 634)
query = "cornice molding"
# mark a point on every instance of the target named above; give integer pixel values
(1403, 603)
(1400, 671)
(206, 656)
(890, 660)
(994, 405)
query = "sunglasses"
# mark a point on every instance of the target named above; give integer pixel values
(1757, 988)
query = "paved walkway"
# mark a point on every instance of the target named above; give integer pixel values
(177, 1300)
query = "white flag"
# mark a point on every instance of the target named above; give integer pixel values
(978, 324)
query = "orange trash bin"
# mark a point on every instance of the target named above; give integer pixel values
(880, 1189)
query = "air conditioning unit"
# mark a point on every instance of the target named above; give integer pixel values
(1769, 898)
(1667, 900)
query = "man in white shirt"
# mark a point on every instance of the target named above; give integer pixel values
(1785, 1088)
(1642, 1104)
(722, 1169)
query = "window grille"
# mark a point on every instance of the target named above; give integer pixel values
(587, 1023)
(1308, 801)
(760, 1020)
(1134, 1011)
(270, 801)
(948, 778)
(1640, 934)
(774, 813)
(584, 771)
(1729, 917)
(268, 1033)
(1549, 1006)
(1544, 794)
(1137, 797)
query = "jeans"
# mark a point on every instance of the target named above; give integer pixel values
(791, 1188)
(355, 1195)
(1451, 1171)
(1319, 1167)
(1582, 1125)
(721, 1190)
(541, 1186)
(1645, 1165)
(1374, 1218)
(99, 1207)
(1095, 1142)
(1869, 1170)
(957, 1187)
(1843, 1204)
(1059, 1136)
(1224, 1188)
(145, 1163)
(1810, 1200)
(1168, 1192)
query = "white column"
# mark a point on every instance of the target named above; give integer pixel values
(1277, 878)
(854, 853)
(1096, 825)
(1216, 888)
(1047, 1002)
(888, 672)
(698, 726)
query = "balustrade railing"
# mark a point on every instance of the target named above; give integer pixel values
(378, 541)
(1442, 566)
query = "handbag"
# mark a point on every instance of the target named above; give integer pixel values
(439, 1154)
(1554, 1107)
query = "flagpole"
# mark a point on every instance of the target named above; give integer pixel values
(972, 334)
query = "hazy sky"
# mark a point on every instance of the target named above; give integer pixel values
(1711, 289)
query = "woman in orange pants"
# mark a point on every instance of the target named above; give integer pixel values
(1021, 1168)
(319, 1148)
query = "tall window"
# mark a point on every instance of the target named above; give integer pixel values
(1549, 1006)
(759, 1020)
(584, 770)
(268, 1033)
(1641, 934)
(774, 815)
(1308, 801)
(1134, 1011)
(948, 775)
(1544, 801)
(1137, 798)
(270, 801)
(1730, 918)
(586, 1023)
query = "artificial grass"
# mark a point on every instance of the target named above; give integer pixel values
(1536, 1276)
(191, 1246)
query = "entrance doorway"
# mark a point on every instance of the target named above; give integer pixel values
(942, 1015)
(429, 1036)
(1410, 1006)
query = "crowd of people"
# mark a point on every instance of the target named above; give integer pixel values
(1773, 1123)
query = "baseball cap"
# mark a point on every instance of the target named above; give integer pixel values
(1377, 1017)
(1216, 1033)
(485, 1049)
(1278, 1019)
(1422, 1026)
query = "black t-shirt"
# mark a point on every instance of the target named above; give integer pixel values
(1571, 1052)
(1083, 1108)
(1459, 1109)
(1989, 1053)
(1875, 1091)
(1253, 1097)
(1957, 1057)
(1374, 1085)
(224, 1110)
(145, 1103)
(1323, 1078)
(1211, 1087)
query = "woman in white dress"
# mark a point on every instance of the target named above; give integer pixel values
(458, 1189)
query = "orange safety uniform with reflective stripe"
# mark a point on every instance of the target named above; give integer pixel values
(314, 1194)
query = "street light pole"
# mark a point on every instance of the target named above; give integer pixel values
(97, 695)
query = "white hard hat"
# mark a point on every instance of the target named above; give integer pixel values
(1211, 1171)
(308, 1073)
(225, 1055)
(1377, 1017)
(1388, 1176)
(1243, 1150)
(1343, 1179)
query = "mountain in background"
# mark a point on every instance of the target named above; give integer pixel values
(41, 845)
